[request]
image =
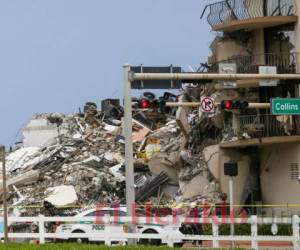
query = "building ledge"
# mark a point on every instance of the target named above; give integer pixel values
(260, 142)
(255, 23)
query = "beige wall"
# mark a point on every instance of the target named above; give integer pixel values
(277, 186)
(243, 171)
(217, 157)
(225, 49)
(259, 46)
(212, 157)
(228, 48)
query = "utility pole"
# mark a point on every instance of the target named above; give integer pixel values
(231, 170)
(231, 204)
(129, 171)
(2, 148)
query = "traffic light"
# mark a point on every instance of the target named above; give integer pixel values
(231, 104)
(144, 104)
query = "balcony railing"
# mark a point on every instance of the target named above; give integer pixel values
(285, 63)
(230, 10)
(258, 126)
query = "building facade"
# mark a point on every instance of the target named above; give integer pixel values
(251, 34)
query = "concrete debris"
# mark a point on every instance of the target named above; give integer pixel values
(21, 158)
(80, 156)
(140, 135)
(41, 130)
(82, 163)
(151, 149)
(61, 195)
(151, 188)
(115, 170)
(27, 178)
(160, 162)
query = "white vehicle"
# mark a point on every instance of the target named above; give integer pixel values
(116, 227)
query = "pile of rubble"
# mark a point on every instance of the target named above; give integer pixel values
(79, 166)
(78, 160)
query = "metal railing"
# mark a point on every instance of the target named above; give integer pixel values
(286, 63)
(231, 10)
(258, 126)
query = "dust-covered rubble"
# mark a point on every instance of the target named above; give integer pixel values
(83, 160)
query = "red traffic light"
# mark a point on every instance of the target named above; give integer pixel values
(228, 104)
(231, 104)
(145, 104)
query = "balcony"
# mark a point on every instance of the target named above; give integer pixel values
(231, 15)
(258, 126)
(286, 63)
(257, 130)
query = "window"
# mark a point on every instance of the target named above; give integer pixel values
(106, 212)
(117, 213)
(97, 213)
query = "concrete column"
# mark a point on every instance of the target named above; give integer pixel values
(259, 46)
(235, 122)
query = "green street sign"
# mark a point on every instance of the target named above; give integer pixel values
(285, 106)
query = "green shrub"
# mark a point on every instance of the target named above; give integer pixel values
(283, 229)
(245, 229)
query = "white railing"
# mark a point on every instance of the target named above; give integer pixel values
(168, 236)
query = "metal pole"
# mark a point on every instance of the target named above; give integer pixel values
(197, 104)
(210, 76)
(129, 171)
(4, 195)
(231, 206)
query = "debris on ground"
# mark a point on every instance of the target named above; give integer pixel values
(80, 161)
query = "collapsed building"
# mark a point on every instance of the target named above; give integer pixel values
(76, 161)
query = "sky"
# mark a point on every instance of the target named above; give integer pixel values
(55, 55)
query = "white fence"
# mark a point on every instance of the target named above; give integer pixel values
(168, 236)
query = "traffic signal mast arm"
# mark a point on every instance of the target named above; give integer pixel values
(252, 105)
(187, 77)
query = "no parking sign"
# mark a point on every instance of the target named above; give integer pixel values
(207, 104)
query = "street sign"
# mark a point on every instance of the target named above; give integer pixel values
(285, 106)
(268, 70)
(227, 68)
(153, 84)
(207, 104)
